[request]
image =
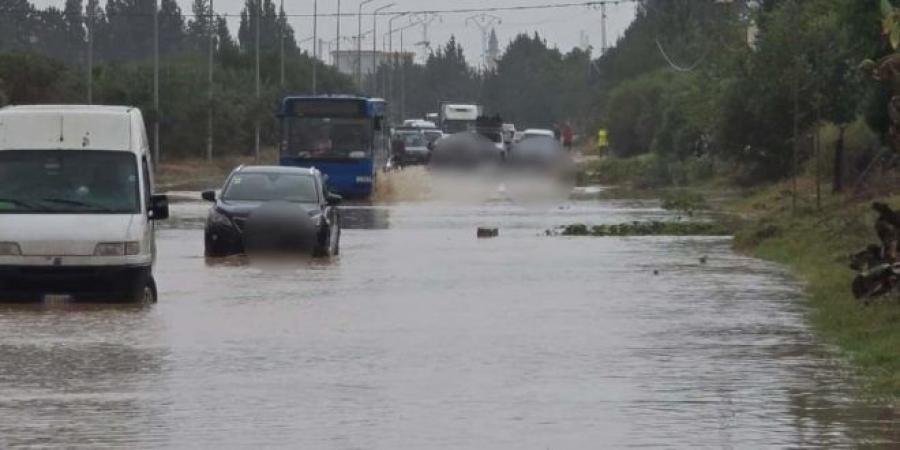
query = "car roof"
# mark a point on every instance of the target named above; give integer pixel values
(278, 170)
(538, 131)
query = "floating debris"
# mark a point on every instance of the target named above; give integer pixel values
(652, 228)
(486, 232)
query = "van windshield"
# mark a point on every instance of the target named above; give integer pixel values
(68, 182)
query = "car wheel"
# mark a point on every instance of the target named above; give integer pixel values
(336, 250)
(147, 295)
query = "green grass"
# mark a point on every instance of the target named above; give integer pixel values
(815, 245)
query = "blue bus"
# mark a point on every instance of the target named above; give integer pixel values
(342, 136)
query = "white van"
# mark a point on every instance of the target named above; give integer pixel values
(77, 208)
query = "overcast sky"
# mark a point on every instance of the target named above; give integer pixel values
(561, 27)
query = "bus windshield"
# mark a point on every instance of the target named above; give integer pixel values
(69, 182)
(329, 138)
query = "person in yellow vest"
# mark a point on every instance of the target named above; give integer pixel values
(602, 141)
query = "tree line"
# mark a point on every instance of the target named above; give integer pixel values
(44, 55)
(748, 87)
(693, 87)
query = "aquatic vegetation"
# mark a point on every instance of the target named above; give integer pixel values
(648, 228)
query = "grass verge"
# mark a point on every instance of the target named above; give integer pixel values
(815, 244)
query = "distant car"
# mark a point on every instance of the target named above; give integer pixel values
(418, 123)
(465, 150)
(543, 155)
(537, 132)
(273, 209)
(410, 146)
(433, 134)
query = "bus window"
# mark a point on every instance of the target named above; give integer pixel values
(329, 137)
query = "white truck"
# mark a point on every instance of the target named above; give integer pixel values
(456, 117)
(77, 207)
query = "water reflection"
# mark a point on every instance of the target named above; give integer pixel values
(419, 335)
(76, 375)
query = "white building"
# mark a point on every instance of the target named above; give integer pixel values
(349, 61)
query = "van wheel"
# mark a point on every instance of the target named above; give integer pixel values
(148, 295)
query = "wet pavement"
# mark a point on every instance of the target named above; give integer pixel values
(420, 336)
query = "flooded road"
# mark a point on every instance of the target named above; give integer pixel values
(420, 336)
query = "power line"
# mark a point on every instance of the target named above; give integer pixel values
(388, 13)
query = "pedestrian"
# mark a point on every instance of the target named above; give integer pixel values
(556, 131)
(567, 136)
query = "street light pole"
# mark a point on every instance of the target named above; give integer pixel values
(393, 59)
(402, 80)
(281, 28)
(375, 44)
(315, 45)
(90, 54)
(209, 106)
(337, 52)
(156, 81)
(359, 42)
(258, 93)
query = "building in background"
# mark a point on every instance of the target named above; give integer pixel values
(346, 60)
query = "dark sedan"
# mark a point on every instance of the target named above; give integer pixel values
(273, 209)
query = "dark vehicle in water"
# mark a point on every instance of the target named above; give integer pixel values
(541, 155)
(410, 146)
(491, 127)
(465, 150)
(268, 209)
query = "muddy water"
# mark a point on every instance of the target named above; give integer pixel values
(421, 336)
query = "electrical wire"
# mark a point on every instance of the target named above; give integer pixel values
(388, 13)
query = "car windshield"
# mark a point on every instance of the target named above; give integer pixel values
(414, 139)
(68, 181)
(264, 187)
(329, 138)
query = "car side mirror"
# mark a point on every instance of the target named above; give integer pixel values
(431, 146)
(159, 207)
(209, 196)
(333, 199)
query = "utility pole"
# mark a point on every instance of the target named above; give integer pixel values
(484, 22)
(393, 58)
(602, 29)
(337, 37)
(402, 80)
(425, 19)
(375, 45)
(157, 114)
(282, 25)
(209, 106)
(258, 93)
(359, 42)
(315, 46)
(90, 54)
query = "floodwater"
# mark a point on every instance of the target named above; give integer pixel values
(420, 336)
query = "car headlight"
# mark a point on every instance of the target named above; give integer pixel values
(364, 179)
(10, 249)
(117, 248)
(219, 219)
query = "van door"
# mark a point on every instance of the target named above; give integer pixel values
(149, 225)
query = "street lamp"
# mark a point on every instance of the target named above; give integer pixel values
(390, 90)
(375, 42)
(337, 36)
(359, 42)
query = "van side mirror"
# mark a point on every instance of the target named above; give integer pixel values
(159, 207)
(209, 196)
(333, 199)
